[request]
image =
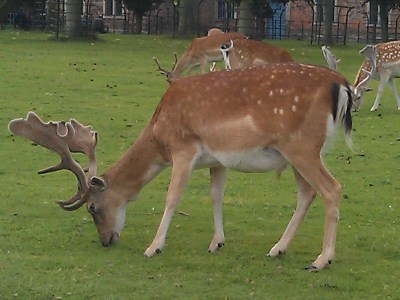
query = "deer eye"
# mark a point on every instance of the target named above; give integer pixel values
(92, 209)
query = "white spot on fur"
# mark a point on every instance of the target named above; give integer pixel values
(281, 111)
(296, 99)
(275, 110)
(271, 93)
(294, 108)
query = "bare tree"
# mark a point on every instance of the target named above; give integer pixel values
(328, 11)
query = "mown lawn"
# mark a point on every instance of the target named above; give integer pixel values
(112, 83)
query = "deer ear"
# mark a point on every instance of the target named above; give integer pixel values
(97, 184)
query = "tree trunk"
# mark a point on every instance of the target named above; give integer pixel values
(183, 17)
(328, 10)
(245, 18)
(138, 24)
(383, 13)
(73, 11)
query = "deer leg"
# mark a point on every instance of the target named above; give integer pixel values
(181, 171)
(396, 95)
(218, 176)
(203, 65)
(308, 163)
(384, 78)
(305, 196)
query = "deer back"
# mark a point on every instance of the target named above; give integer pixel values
(241, 108)
(201, 49)
(247, 53)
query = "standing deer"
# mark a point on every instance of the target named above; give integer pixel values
(387, 68)
(247, 53)
(251, 120)
(200, 52)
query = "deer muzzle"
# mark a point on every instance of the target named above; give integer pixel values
(109, 238)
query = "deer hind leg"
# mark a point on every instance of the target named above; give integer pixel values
(305, 196)
(394, 91)
(384, 78)
(181, 171)
(308, 163)
(218, 176)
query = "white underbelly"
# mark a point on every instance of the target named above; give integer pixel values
(253, 160)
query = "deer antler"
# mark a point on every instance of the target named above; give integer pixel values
(165, 72)
(62, 138)
(330, 58)
(370, 52)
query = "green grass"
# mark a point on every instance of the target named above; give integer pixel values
(111, 83)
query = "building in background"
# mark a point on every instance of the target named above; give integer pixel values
(295, 20)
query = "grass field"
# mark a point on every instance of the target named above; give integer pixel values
(112, 83)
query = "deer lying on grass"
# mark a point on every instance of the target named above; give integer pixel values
(247, 53)
(251, 120)
(200, 52)
(387, 68)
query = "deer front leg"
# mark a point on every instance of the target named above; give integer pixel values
(396, 95)
(305, 196)
(203, 65)
(384, 78)
(180, 174)
(218, 176)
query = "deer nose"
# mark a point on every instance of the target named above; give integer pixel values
(109, 238)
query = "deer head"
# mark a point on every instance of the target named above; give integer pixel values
(167, 73)
(65, 138)
(199, 52)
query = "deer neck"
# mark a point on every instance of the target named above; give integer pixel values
(143, 161)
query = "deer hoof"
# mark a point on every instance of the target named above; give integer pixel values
(312, 268)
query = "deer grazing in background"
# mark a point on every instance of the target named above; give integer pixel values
(247, 53)
(200, 52)
(387, 68)
(251, 120)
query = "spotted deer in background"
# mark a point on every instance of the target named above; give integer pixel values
(387, 68)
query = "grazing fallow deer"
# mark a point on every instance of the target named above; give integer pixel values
(251, 120)
(247, 53)
(200, 52)
(387, 68)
